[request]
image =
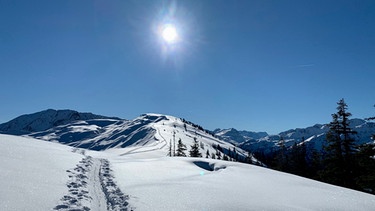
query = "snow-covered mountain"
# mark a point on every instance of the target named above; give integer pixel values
(314, 136)
(147, 132)
(236, 137)
(41, 175)
(132, 172)
(45, 120)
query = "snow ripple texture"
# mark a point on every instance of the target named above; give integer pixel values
(91, 186)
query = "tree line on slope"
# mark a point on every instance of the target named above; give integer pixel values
(219, 154)
(196, 126)
(341, 162)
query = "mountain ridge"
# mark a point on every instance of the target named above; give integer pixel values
(82, 129)
(144, 133)
(44, 120)
(314, 136)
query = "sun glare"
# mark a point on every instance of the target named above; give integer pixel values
(169, 33)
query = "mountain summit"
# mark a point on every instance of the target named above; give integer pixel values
(45, 120)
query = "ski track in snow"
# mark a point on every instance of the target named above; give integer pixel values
(135, 150)
(91, 187)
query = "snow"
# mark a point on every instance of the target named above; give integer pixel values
(33, 173)
(180, 184)
(41, 175)
(148, 132)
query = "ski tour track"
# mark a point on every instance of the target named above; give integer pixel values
(136, 150)
(91, 186)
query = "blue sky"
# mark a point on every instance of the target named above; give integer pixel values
(253, 65)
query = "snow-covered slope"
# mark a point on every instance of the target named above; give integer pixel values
(44, 120)
(40, 175)
(101, 134)
(33, 173)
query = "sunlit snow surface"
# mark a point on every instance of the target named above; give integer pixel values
(33, 177)
(181, 184)
(33, 173)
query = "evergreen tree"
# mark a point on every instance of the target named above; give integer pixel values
(181, 148)
(369, 119)
(174, 143)
(281, 157)
(218, 154)
(249, 158)
(219, 148)
(315, 165)
(338, 161)
(235, 154)
(225, 157)
(194, 151)
(170, 148)
(213, 156)
(366, 168)
(230, 154)
(207, 154)
(297, 159)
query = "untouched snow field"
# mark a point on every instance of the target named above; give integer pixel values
(33, 173)
(203, 184)
(39, 175)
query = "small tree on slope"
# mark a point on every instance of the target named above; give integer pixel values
(181, 148)
(194, 151)
(170, 149)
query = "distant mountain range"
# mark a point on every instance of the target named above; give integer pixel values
(237, 137)
(97, 132)
(313, 136)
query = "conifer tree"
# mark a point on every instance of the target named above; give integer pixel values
(194, 151)
(219, 148)
(297, 159)
(366, 168)
(181, 148)
(207, 154)
(249, 158)
(225, 157)
(339, 161)
(170, 148)
(218, 154)
(230, 154)
(235, 154)
(281, 157)
(369, 119)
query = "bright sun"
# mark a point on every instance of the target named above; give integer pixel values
(169, 33)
